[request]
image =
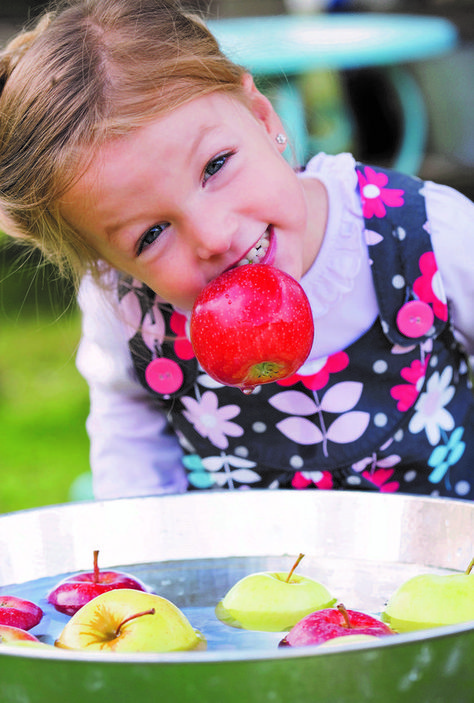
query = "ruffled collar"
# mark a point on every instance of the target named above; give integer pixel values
(334, 270)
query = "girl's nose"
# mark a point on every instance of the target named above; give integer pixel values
(210, 236)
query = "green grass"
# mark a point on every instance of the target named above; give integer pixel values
(43, 406)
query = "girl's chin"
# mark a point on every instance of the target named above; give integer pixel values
(288, 269)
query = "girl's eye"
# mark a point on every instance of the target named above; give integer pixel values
(150, 236)
(215, 165)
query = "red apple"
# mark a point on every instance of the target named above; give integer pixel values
(18, 612)
(15, 635)
(77, 590)
(251, 325)
(326, 624)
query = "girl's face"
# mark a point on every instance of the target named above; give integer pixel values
(195, 192)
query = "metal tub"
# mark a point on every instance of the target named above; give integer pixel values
(192, 548)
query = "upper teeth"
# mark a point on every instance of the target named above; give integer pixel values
(256, 253)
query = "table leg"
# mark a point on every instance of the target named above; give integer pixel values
(410, 153)
(290, 106)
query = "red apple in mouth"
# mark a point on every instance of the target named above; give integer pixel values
(18, 612)
(75, 591)
(252, 325)
(329, 623)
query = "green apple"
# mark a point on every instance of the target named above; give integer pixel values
(431, 600)
(127, 620)
(272, 601)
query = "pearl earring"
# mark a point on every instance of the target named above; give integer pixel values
(280, 138)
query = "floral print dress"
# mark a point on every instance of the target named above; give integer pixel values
(391, 412)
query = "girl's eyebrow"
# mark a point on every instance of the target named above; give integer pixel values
(201, 134)
(116, 229)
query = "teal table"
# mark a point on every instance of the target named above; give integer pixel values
(286, 46)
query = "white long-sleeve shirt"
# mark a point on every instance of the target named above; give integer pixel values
(133, 451)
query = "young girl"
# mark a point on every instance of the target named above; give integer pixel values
(133, 153)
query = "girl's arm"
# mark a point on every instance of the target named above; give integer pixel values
(133, 450)
(451, 221)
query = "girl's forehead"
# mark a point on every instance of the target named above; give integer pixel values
(179, 128)
(172, 141)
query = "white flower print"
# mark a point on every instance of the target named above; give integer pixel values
(340, 398)
(227, 470)
(431, 415)
(210, 420)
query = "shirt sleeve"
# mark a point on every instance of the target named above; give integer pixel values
(451, 222)
(133, 449)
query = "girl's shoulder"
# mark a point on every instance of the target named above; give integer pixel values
(339, 167)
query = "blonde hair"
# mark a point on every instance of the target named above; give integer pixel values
(89, 71)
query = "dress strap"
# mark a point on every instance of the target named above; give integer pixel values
(162, 355)
(409, 291)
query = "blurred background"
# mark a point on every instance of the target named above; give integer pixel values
(43, 400)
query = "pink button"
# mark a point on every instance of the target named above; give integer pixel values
(164, 376)
(415, 318)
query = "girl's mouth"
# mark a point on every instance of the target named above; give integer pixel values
(258, 253)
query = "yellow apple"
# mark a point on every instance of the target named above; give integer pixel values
(15, 635)
(35, 645)
(127, 620)
(431, 600)
(272, 601)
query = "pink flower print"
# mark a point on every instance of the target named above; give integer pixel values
(406, 394)
(375, 196)
(319, 379)
(429, 288)
(320, 479)
(380, 478)
(211, 421)
(182, 345)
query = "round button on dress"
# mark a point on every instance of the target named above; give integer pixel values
(164, 376)
(415, 318)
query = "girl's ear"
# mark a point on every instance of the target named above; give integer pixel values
(261, 107)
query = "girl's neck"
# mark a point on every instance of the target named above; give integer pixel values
(318, 204)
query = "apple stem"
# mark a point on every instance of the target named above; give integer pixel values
(469, 568)
(345, 615)
(132, 617)
(96, 566)
(300, 557)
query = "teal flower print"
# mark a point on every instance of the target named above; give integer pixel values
(198, 476)
(445, 455)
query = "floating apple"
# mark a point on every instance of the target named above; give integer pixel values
(74, 591)
(127, 620)
(19, 612)
(348, 640)
(432, 600)
(326, 624)
(28, 644)
(15, 635)
(251, 325)
(272, 601)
